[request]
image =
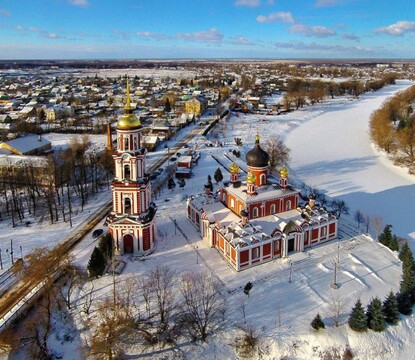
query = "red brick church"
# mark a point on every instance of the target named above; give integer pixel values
(131, 221)
(253, 220)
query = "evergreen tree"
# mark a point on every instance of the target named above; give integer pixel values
(404, 303)
(405, 252)
(358, 320)
(218, 175)
(391, 309)
(375, 316)
(386, 237)
(209, 183)
(167, 105)
(394, 243)
(105, 245)
(317, 323)
(96, 264)
(408, 281)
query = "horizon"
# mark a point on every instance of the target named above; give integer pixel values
(232, 29)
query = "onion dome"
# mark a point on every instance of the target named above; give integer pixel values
(284, 172)
(312, 196)
(251, 178)
(257, 157)
(128, 121)
(244, 213)
(233, 168)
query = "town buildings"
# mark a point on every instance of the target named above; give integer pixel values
(257, 219)
(131, 222)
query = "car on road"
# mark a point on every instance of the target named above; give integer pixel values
(97, 232)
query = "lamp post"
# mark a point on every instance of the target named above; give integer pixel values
(11, 250)
(291, 270)
(197, 255)
(1, 261)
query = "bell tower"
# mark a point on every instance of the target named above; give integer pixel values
(131, 221)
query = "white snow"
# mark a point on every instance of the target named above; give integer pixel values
(330, 150)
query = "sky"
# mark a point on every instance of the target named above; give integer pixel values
(154, 29)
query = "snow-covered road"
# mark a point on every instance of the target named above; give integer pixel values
(333, 153)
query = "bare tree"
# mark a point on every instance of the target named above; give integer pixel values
(88, 299)
(336, 309)
(378, 225)
(359, 217)
(367, 221)
(277, 151)
(204, 305)
(339, 207)
(114, 325)
(71, 281)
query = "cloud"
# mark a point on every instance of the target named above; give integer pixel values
(151, 35)
(398, 29)
(325, 3)
(40, 32)
(350, 37)
(241, 40)
(317, 31)
(211, 36)
(122, 34)
(249, 3)
(314, 47)
(5, 12)
(278, 17)
(81, 3)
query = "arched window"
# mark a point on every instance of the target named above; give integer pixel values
(224, 197)
(288, 205)
(232, 203)
(127, 206)
(255, 212)
(126, 143)
(272, 209)
(263, 179)
(135, 143)
(127, 173)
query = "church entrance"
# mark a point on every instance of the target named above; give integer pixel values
(128, 244)
(291, 245)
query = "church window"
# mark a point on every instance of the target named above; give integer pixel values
(263, 179)
(135, 143)
(127, 206)
(288, 205)
(272, 210)
(232, 203)
(126, 143)
(255, 212)
(255, 253)
(127, 173)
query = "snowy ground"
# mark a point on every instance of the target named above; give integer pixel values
(281, 311)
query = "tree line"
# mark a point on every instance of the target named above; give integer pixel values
(70, 176)
(301, 91)
(392, 128)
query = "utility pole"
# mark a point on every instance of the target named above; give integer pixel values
(291, 270)
(11, 250)
(336, 264)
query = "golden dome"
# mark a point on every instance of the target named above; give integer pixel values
(233, 168)
(284, 172)
(128, 120)
(250, 178)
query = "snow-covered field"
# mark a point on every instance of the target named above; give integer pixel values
(330, 150)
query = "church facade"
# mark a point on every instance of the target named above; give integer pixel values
(131, 221)
(254, 220)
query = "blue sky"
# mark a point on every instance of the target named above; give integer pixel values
(126, 29)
